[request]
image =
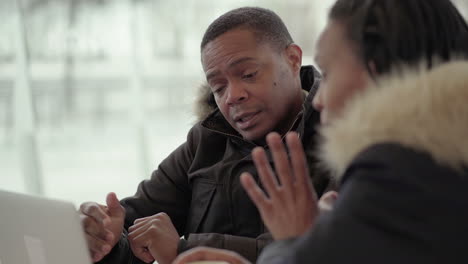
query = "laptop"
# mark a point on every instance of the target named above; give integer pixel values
(35, 230)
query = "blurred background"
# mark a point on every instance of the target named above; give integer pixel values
(94, 94)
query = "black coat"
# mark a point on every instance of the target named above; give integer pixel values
(401, 154)
(198, 185)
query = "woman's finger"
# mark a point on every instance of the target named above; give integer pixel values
(299, 167)
(255, 193)
(282, 165)
(266, 174)
(210, 254)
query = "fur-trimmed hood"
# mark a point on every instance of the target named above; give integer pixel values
(205, 103)
(426, 110)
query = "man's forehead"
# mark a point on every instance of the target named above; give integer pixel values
(239, 36)
(233, 41)
(230, 63)
(229, 55)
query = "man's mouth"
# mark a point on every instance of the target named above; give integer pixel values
(246, 120)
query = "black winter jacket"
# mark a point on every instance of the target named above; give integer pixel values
(400, 151)
(198, 184)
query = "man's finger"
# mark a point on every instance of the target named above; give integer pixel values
(137, 225)
(162, 216)
(113, 205)
(139, 230)
(97, 212)
(143, 254)
(92, 227)
(95, 256)
(139, 220)
(255, 193)
(142, 225)
(98, 246)
(139, 245)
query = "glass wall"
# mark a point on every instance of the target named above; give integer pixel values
(94, 94)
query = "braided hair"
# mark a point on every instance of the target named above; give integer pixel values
(389, 33)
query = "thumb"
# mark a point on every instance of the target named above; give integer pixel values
(113, 205)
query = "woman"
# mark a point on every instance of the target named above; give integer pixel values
(394, 105)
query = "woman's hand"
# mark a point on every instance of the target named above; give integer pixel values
(291, 208)
(200, 254)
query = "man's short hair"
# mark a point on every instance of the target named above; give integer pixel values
(265, 24)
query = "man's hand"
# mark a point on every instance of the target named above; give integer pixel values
(290, 209)
(154, 238)
(103, 225)
(210, 254)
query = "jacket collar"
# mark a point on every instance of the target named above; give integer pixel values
(426, 110)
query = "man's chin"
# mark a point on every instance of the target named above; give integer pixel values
(254, 136)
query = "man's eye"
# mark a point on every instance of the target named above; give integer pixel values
(249, 75)
(218, 89)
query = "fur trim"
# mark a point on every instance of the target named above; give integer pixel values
(426, 110)
(204, 102)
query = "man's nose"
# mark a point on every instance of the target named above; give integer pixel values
(236, 94)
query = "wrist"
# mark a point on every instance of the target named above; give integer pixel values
(182, 246)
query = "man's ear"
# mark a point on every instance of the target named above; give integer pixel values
(294, 57)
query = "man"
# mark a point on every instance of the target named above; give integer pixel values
(395, 137)
(256, 86)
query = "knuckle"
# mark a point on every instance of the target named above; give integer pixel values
(89, 230)
(153, 229)
(91, 209)
(91, 206)
(93, 243)
(165, 218)
(93, 230)
(86, 221)
(134, 250)
(82, 207)
(162, 215)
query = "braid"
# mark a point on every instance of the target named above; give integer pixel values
(393, 32)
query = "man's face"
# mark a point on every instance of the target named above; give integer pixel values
(256, 87)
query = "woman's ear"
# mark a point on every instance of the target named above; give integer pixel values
(372, 68)
(294, 57)
(370, 73)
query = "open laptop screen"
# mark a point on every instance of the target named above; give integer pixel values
(35, 230)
